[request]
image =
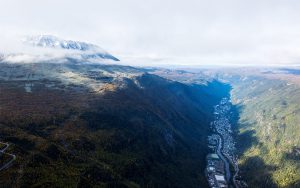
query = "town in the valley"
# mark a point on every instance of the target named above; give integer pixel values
(222, 145)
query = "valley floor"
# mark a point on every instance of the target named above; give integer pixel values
(222, 144)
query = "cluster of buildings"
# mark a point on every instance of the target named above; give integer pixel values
(215, 171)
(219, 143)
(222, 146)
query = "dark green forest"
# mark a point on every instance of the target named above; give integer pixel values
(144, 131)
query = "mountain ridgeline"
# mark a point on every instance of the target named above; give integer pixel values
(96, 125)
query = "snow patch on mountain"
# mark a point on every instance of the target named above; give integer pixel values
(47, 48)
(87, 50)
(55, 42)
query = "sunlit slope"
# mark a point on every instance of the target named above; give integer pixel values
(268, 130)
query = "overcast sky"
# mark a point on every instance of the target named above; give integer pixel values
(167, 31)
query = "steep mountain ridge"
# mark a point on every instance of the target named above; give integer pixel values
(103, 125)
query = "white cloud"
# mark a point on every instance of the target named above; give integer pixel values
(172, 31)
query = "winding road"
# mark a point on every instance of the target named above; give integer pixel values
(2, 152)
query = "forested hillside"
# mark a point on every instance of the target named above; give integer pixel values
(268, 132)
(103, 125)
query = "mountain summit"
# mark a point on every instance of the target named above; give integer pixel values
(86, 50)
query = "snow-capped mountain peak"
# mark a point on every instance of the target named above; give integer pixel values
(55, 42)
(87, 50)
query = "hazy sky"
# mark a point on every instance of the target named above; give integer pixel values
(167, 31)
